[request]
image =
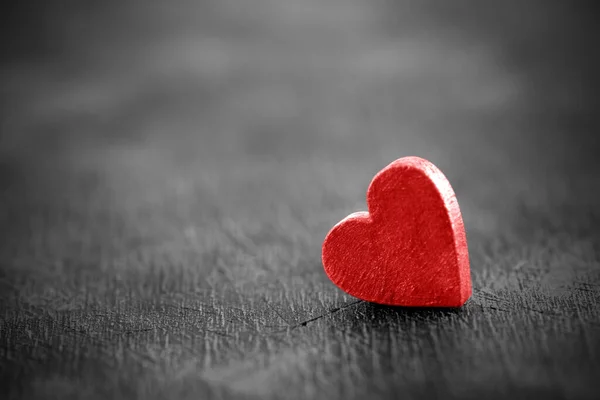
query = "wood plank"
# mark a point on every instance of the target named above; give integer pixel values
(168, 175)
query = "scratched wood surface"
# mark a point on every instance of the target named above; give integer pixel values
(168, 174)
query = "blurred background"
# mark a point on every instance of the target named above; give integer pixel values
(149, 148)
(291, 80)
(242, 108)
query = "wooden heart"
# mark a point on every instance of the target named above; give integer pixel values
(410, 249)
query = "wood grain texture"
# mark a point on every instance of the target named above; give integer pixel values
(168, 174)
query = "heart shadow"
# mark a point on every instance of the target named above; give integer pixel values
(381, 318)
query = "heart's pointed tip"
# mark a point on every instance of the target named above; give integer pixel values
(467, 289)
(461, 301)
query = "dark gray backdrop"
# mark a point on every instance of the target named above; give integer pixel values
(168, 171)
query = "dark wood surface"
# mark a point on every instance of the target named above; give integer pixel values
(168, 174)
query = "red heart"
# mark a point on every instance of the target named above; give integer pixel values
(410, 249)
